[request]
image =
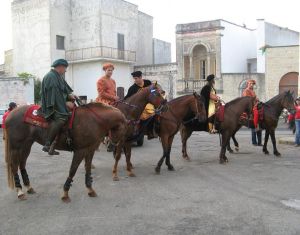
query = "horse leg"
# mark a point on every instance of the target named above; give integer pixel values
(88, 173)
(265, 150)
(117, 154)
(164, 141)
(77, 159)
(168, 163)
(236, 144)
(25, 178)
(228, 147)
(225, 140)
(14, 165)
(273, 139)
(127, 151)
(185, 133)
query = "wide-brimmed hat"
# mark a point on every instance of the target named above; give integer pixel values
(58, 62)
(210, 77)
(136, 74)
(251, 81)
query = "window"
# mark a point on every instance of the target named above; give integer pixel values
(60, 42)
(203, 75)
(121, 46)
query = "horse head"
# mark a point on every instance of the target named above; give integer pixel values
(288, 101)
(199, 108)
(155, 97)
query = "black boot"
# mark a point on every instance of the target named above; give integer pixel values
(54, 129)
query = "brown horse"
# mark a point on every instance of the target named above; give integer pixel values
(91, 124)
(132, 109)
(271, 112)
(184, 109)
(227, 128)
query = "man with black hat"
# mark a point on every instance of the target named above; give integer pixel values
(140, 83)
(55, 94)
(211, 98)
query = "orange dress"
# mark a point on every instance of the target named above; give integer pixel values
(106, 90)
(251, 93)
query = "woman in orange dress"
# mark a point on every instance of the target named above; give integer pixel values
(106, 86)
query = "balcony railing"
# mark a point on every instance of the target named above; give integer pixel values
(186, 86)
(100, 53)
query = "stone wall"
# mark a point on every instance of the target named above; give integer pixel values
(14, 89)
(280, 61)
(161, 52)
(233, 84)
(164, 74)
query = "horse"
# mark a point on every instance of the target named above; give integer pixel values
(183, 109)
(92, 122)
(227, 128)
(271, 112)
(132, 109)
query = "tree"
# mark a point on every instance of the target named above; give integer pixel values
(37, 85)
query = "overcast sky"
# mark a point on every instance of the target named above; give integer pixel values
(168, 13)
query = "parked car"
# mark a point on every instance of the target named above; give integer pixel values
(2, 111)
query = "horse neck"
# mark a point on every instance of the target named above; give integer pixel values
(276, 105)
(138, 101)
(241, 106)
(180, 108)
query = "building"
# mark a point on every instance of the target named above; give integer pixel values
(86, 33)
(232, 52)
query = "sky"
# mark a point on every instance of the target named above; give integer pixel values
(166, 14)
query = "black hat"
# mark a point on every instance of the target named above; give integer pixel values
(12, 105)
(58, 62)
(137, 74)
(210, 77)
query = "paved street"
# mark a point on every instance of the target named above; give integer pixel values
(252, 194)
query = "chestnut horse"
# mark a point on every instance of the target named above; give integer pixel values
(271, 112)
(132, 109)
(92, 122)
(227, 128)
(183, 109)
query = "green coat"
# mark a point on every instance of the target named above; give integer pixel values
(55, 91)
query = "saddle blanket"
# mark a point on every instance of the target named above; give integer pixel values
(220, 113)
(31, 117)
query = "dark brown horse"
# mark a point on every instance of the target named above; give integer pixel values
(132, 109)
(233, 111)
(91, 124)
(184, 109)
(271, 112)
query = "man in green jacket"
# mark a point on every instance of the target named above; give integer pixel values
(55, 94)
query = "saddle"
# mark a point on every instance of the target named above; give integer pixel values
(220, 111)
(35, 117)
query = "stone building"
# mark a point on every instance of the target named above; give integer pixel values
(232, 52)
(86, 33)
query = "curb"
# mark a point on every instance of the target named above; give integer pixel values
(287, 140)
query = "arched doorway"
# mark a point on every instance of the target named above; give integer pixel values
(289, 81)
(200, 63)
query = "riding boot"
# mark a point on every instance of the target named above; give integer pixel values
(54, 129)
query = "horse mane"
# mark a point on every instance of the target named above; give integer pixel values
(98, 105)
(237, 100)
(178, 98)
(275, 98)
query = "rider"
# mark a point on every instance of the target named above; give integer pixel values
(55, 96)
(106, 86)
(211, 98)
(140, 83)
(255, 131)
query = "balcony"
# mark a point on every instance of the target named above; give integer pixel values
(98, 53)
(186, 86)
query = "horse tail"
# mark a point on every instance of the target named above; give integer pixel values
(8, 160)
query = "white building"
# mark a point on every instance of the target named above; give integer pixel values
(232, 52)
(86, 33)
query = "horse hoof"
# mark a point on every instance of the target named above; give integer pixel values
(266, 152)
(230, 151)
(131, 174)
(277, 154)
(93, 166)
(22, 197)
(92, 194)
(116, 178)
(31, 191)
(171, 168)
(66, 199)
(187, 158)
(157, 170)
(237, 149)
